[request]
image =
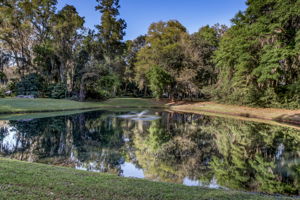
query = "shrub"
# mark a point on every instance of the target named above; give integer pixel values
(31, 84)
(12, 86)
(2, 92)
(58, 91)
(3, 78)
(108, 85)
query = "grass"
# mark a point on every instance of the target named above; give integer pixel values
(21, 180)
(9, 106)
(267, 114)
(17, 105)
(23, 116)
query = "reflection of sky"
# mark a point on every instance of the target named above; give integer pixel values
(213, 183)
(129, 170)
(279, 151)
(189, 182)
(91, 166)
(10, 141)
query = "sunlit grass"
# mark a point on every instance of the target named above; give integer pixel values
(16, 105)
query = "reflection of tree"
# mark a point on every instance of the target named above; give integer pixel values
(250, 156)
(240, 155)
(175, 148)
(90, 140)
(3, 132)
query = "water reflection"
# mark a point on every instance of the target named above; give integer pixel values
(188, 149)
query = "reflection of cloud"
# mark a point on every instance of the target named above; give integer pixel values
(189, 182)
(130, 170)
(91, 166)
(279, 151)
(10, 141)
(212, 184)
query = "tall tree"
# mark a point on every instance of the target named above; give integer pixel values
(66, 25)
(111, 30)
(163, 49)
(133, 47)
(199, 50)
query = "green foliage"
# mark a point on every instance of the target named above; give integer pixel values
(107, 85)
(187, 59)
(111, 29)
(66, 26)
(2, 92)
(260, 53)
(3, 78)
(12, 86)
(57, 91)
(31, 84)
(159, 81)
(254, 62)
(47, 61)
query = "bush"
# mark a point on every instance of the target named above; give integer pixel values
(31, 84)
(58, 91)
(12, 86)
(107, 86)
(3, 78)
(2, 92)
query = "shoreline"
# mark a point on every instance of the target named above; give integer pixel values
(280, 116)
(274, 115)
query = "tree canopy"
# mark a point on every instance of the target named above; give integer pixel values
(254, 62)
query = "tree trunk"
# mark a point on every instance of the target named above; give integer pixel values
(70, 82)
(62, 72)
(82, 91)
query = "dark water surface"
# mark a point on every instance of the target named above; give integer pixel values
(189, 149)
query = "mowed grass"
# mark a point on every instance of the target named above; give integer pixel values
(270, 114)
(21, 180)
(17, 105)
(14, 105)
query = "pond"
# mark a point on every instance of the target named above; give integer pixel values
(190, 149)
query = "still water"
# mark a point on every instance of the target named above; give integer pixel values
(190, 149)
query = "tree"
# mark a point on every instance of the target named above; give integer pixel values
(66, 25)
(258, 57)
(163, 48)
(159, 81)
(133, 47)
(24, 25)
(111, 30)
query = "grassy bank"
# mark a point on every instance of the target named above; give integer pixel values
(273, 114)
(16, 105)
(21, 180)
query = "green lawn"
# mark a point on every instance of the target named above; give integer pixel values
(21, 180)
(15, 105)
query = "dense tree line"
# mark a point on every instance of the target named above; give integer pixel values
(254, 62)
(258, 57)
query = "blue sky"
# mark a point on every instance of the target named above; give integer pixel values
(139, 14)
